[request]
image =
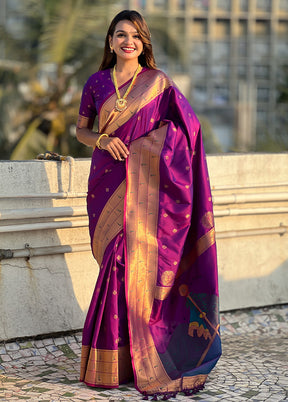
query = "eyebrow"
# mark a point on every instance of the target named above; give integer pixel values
(121, 30)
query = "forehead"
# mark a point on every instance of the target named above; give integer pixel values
(126, 26)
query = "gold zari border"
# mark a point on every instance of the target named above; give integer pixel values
(142, 205)
(202, 245)
(110, 222)
(99, 366)
(193, 382)
(162, 292)
(205, 242)
(84, 122)
(103, 367)
(150, 84)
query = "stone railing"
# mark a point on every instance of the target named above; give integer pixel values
(47, 273)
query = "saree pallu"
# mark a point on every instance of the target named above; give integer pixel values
(152, 233)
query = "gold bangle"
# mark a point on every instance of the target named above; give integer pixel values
(98, 141)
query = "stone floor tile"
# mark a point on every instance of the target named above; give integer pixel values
(69, 339)
(26, 345)
(48, 341)
(13, 346)
(51, 348)
(38, 344)
(5, 358)
(253, 366)
(25, 352)
(59, 341)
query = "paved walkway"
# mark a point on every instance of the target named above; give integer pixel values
(254, 365)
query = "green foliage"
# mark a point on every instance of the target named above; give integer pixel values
(32, 143)
(271, 143)
(51, 63)
(211, 143)
(283, 85)
(60, 46)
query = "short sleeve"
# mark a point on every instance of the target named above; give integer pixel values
(87, 106)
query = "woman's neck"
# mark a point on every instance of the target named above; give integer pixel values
(126, 67)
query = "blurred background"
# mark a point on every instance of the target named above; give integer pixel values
(229, 58)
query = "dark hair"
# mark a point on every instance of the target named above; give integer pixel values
(146, 59)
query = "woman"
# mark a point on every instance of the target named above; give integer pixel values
(155, 302)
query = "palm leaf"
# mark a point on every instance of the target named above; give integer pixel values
(68, 27)
(31, 144)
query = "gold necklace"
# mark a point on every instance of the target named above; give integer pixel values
(121, 103)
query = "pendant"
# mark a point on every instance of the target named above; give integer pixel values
(121, 104)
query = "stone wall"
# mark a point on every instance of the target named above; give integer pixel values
(47, 286)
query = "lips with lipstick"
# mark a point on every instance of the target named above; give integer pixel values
(128, 49)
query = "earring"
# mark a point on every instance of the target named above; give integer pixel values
(111, 49)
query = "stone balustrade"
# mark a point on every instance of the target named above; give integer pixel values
(47, 272)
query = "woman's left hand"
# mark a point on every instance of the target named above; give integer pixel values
(116, 148)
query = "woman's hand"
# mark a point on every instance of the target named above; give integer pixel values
(116, 148)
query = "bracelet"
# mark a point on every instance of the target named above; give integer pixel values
(98, 145)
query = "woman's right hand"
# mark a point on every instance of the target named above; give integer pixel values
(116, 148)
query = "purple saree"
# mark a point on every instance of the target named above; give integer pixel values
(152, 233)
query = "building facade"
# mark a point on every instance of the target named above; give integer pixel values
(233, 52)
(227, 57)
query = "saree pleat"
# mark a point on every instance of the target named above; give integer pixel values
(152, 233)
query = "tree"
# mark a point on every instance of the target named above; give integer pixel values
(56, 61)
(61, 45)
(282, 109)
(211, 143)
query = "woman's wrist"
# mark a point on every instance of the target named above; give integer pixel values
(98, 143)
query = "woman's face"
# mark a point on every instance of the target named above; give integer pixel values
(126, 41)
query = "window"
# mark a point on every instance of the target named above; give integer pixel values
(281, 49)
(243, 5)
(140, 4)
(262, 117)
(201, 4)
(283, 5)
(199, 72)
(283, 28)
(242, 49)
(161, 3)
(224, 5)
(199, 51)
(263, 94)
(2, 49)
(15, 24)
(12, 5)
(179, 29)
(199, 94)
(220, 71)
(261, 71)
(242, 70)
(221, 94)
(263, 5)
(260, 50)
(242, 28)
(199, 27)
(220, 50)
(222, 28)
(262, 28)
(181, 4)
